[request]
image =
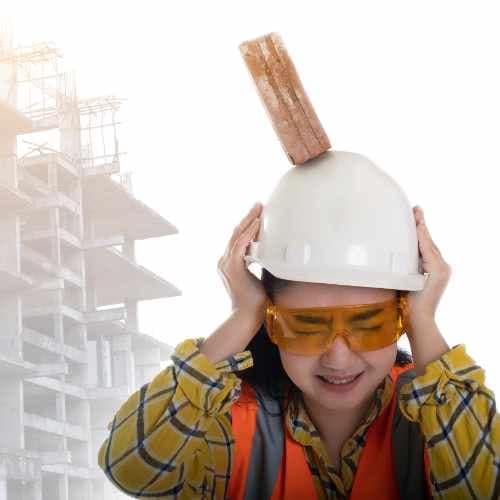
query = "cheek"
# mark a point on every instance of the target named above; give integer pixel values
(298, 368)
(380, 361)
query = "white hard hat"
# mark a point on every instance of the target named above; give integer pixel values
(339, 219)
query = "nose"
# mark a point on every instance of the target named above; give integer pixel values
(338, 354)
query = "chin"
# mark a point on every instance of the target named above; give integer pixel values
(339, 405)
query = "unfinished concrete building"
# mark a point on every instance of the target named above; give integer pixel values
(70, 349)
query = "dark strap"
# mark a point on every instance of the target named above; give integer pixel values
(267, 450)
(408, 449)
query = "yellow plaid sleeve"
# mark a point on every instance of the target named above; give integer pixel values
(172, 437)
(458, 418)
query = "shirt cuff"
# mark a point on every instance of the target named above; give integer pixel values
(441, 378)
(209, 387)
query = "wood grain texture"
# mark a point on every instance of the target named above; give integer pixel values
(285, 100)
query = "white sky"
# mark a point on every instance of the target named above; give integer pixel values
(413, 87)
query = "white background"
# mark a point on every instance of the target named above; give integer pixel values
(413, 86)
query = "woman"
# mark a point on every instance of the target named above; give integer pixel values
(175, 436)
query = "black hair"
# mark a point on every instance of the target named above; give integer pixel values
(267, 374)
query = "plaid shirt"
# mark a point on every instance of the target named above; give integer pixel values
(172, 438)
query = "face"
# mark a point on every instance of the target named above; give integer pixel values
(339, 360)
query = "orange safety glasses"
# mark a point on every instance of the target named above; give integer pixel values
(312, 330)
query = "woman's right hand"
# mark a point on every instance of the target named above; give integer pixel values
(245, 289)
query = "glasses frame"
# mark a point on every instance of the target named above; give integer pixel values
(401, 302)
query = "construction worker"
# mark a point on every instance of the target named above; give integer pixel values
(302, 392)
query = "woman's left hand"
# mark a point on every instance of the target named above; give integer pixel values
(422, 304)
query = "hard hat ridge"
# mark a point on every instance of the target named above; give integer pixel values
(343, 220)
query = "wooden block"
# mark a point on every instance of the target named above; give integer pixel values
(285, 100)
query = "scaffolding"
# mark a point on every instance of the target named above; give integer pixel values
(99, 132)
(71, 347)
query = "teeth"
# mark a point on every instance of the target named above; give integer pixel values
(339, 380)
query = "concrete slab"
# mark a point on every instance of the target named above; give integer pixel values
(118, 278)
(13, 200)
(139, 340)
(113, 210)
(13, 282)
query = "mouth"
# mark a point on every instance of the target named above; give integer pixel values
(339, 385)
(339, 378)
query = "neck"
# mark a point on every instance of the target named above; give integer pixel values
(336, 426)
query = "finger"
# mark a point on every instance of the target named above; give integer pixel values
(253, 212)
(434, 247)
(427, 246)
(242, 242)
(243, 225)
(425, 238)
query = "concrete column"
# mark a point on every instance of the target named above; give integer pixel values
(63, 488)
(11, 416)
(8, 159)
(129, 248)
(147, 363)
(123, 361)
(104, 362)
(60, 407)
(10, 255)
(132, 319)
(131, 306)
(11, 321)
(8, 144)
(33, 490)
(70, 130)
(3, 486)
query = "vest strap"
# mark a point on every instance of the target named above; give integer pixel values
(411, 458)
(267, 449)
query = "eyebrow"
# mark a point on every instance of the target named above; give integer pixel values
(324, 321)
(365, 315)
(310, 319)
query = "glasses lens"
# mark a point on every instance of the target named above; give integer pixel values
(378, 331)
(310, 331)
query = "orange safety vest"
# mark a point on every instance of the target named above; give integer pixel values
(269, 463)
